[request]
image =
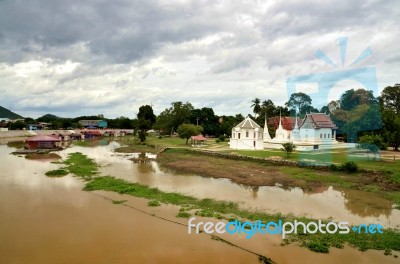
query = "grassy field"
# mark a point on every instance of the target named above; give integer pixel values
(255, 173)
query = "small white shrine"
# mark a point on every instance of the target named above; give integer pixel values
(247, 135)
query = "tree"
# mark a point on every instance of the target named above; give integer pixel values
(146, 113)
(207, 119)
(376, 140)
(146, 119)
(256, 106)
(359, 111)
(123, 123)
(267, 108)
(173, 117)
(391, 98)
(17, 125)
(188, 130)
(226, 123)
(391, 128)
(353, 98)
(288, 147)
(299, 103)
(372, 143)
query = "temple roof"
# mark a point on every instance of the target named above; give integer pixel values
(319, 120)
(288, 122)
(248, 123)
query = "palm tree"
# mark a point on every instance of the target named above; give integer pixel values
(256, 107)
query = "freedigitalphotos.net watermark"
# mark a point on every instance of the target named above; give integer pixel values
(280, 228)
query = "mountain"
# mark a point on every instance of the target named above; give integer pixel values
(48, 118)
(5, 113)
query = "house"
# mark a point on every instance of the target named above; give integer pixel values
(91, 133)
(45, 125)
(42, 142)
(247, 135)
(4, 119)
(35, 127)
(93, 124)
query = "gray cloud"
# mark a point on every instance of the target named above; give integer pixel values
(78, 57)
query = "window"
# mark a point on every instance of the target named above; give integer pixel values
(238, 135)
(329, 135)
(247, 133)
(254, 135)
(324, 135)
(233, 135)
(320, 135)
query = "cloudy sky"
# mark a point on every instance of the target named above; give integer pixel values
(106, 57)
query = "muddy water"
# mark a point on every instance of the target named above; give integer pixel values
(342, 205)
(47, 220)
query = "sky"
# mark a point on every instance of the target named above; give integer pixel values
(74, 57)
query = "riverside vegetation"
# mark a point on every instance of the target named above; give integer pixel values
(81, 166)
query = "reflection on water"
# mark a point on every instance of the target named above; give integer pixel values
(364, 204)
(323, 202)
(50, 220)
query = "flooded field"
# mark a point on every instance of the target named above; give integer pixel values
(51, 220)
(342, 205)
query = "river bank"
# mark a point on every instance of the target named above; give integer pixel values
(255, 173)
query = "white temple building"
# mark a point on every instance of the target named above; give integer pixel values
(247, 135)
(315, 131)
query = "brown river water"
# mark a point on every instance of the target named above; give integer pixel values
(48, 220)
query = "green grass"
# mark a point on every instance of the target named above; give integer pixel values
(80, 165)
(153, 203)
(331, 178)
(132, 148)
(209, 207)
(77, 164)
(183, 214)
(118, 201)
(56, 173)
(175, 141)
(338, 156)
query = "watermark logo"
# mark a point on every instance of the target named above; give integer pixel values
(323, 86)
(249, 229)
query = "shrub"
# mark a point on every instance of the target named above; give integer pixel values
(217, 141)
(349, 166)
(320, 247)
(153, 203)
(372, 143)
(56, 173)
(222, 138)
(288, 147)
(183, 214)
(333, 167)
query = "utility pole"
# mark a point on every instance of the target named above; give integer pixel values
(197, 119)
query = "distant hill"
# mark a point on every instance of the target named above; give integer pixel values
(5, 113)
(48, 118)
